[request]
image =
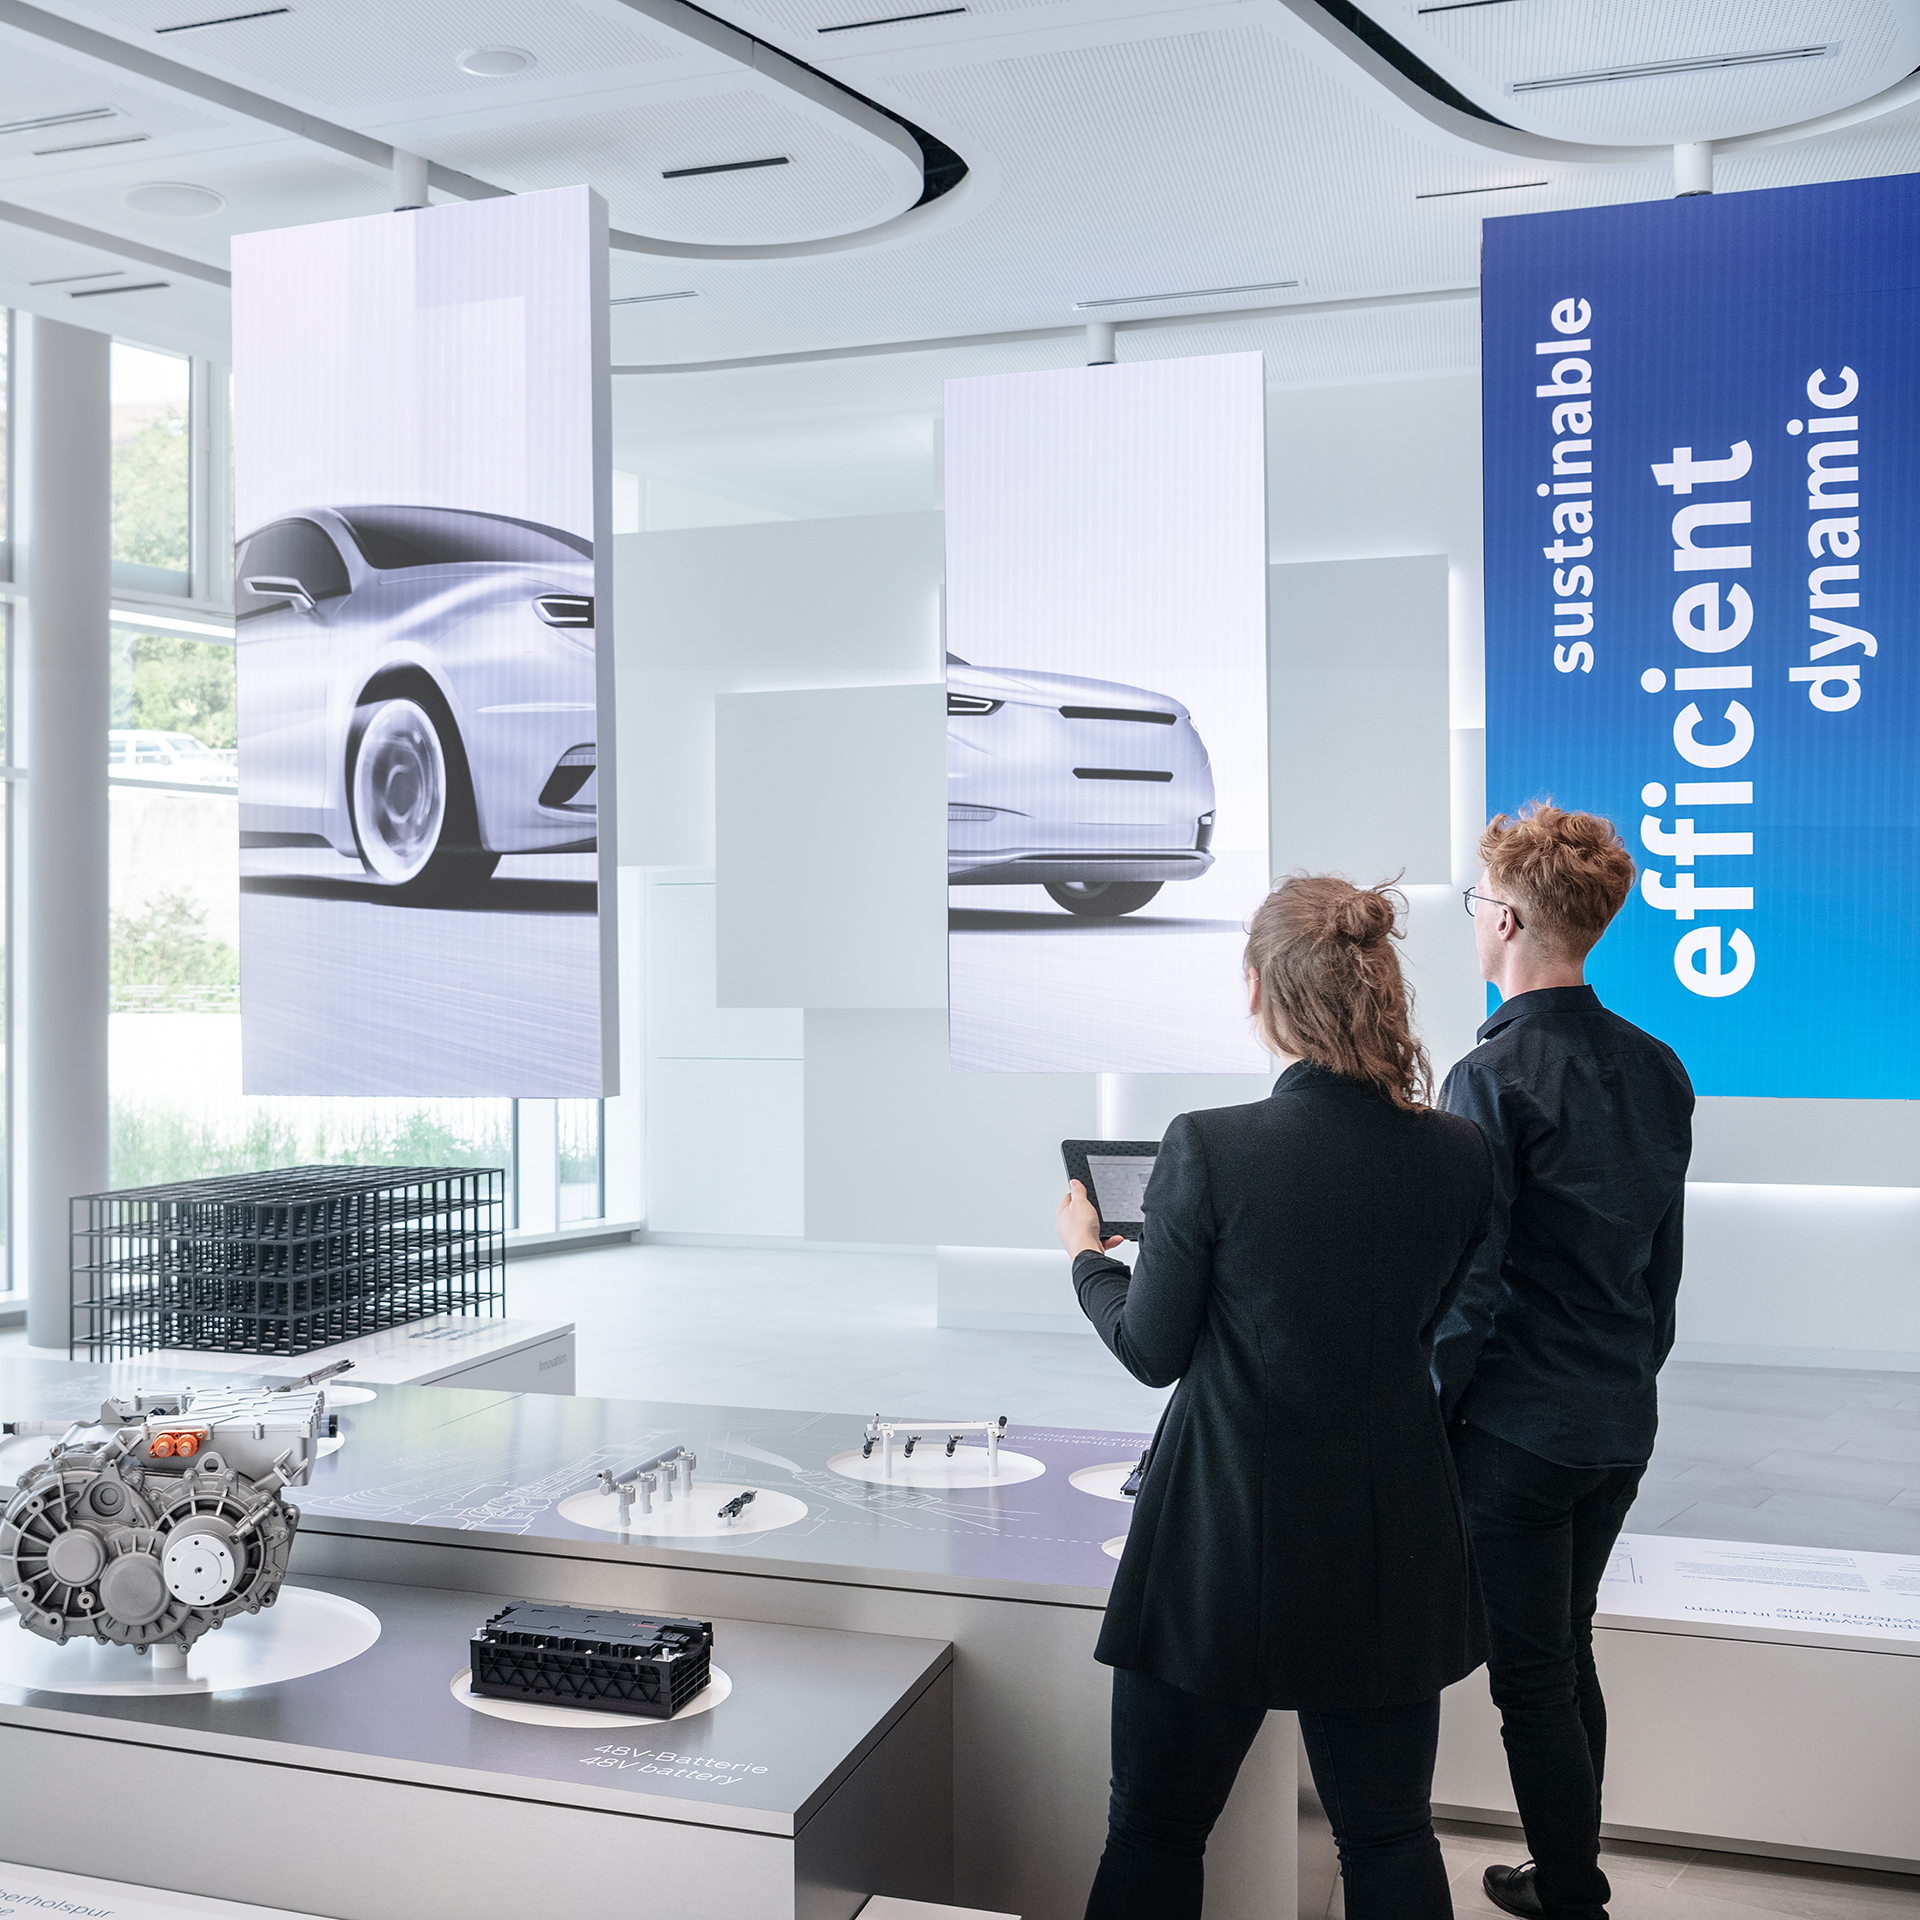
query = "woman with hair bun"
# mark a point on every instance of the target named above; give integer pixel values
(1298, 1538)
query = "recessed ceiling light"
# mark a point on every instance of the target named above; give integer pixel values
(174, 199)
(494, 63)
(1192, 293)
(46, 120)
(87, 146)
(1655, 69)
(139, 286)
(62, 279)
(728, 166)
(641, 299)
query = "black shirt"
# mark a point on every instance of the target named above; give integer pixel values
(1554, 1342)
(1298, 1540)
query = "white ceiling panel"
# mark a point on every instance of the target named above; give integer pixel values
(833, 182)
(351, 54)
(1497, 51)
(37, 85)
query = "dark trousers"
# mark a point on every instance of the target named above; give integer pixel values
(1175, 1756)
(1541, 1537)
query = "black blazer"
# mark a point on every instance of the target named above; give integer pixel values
(1298, 1541)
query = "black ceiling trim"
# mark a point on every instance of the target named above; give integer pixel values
(1375, 36)
(941, 169)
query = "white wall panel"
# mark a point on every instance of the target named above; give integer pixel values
(726, 1134)
(784, 604)
(900, 1150)
(832, 848)
(1358, 734)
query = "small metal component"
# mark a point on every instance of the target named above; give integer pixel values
(738, 1505)
(314, 1378)
(647, 1477)
(881, 1433)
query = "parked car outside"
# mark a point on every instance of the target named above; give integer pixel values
(147, 753)
(1097, 791)
(416, 690)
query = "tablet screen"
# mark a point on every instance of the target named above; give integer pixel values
(1120, 1186)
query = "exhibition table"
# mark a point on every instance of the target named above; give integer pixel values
(1765, 1698)
(822, 1776)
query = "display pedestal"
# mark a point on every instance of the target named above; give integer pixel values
(444, 1350)
(825, 1777)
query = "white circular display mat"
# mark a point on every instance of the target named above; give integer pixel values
(329, 1443)
(1115, 1547)
(930, 1466)
(690, 1517)
(346, 1396)
(1104, 1482)
(303, 1632)
(532, 1713)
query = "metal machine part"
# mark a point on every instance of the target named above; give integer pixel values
(314, 1378)
(1134, 1481)
(649, 1477)
(643, 1663)
(881, 1433)
(159, 1521)
(738, 1505)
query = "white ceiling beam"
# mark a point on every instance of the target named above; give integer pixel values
(112, 244)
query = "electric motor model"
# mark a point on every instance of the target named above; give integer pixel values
(161, 1520)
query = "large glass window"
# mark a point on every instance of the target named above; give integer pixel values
(582, 1187)
(152, 470)
(174, 1025)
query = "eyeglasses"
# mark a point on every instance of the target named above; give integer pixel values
(1468, 895)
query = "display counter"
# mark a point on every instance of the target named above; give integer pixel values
(822, 1776)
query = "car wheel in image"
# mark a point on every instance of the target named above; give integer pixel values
(410, 803)
(1102, 899)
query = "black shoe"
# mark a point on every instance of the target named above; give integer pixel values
(1512, 1890)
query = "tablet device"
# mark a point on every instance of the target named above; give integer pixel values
(1114, 1173)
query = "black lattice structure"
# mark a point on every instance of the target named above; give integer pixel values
(285, 1261)
(648, 1663)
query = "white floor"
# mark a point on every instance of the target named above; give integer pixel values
(830, 1332)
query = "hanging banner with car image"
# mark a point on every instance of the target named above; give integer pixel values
(1106, 715)
(1702, 420)
(422, 494)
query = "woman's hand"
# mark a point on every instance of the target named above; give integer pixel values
(1077, 1222)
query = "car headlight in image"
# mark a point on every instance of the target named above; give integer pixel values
(573, 610)
(972, 703)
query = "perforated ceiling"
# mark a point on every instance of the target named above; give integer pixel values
(1487, 49)
(360, 53)
(830, 185)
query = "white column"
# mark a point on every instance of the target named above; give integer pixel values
(1100, 346)
(65, 546)
(539, 1165)
(1692, 168)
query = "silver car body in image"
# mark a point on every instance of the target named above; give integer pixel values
(1098, 791)
(416, 689)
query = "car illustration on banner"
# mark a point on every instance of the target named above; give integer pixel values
(416, 690)
(1097, 791)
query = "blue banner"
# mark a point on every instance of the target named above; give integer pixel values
(1703, 565)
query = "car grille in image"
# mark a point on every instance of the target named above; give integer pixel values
(565, 609)
(571, 772)
(1146, 715)
(1118, 773)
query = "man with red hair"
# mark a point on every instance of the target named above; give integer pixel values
(1546, 1362)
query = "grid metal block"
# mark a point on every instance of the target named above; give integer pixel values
(284, 1261)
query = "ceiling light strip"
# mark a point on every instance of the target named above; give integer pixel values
(66, 279)
(46, 121)
(643, 299)
(139, 286)
(1454, 193)
(1660, 69)
(89, 146)
(727, 166)
(891, 20)
(1146, 323)
(224, 20)
(1192, 293)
